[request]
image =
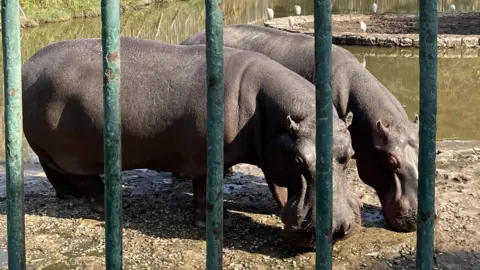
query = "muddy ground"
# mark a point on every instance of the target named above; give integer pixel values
(448, 23)
(159, 234)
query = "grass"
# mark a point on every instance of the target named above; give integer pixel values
(44, 11)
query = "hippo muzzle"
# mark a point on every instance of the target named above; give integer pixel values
(300, 221)
(400, 206)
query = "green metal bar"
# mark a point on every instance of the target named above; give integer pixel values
(323, 84)
(13, 133)
(112, 132)
(428, 130)
(215, 122)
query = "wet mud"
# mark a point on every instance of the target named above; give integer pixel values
(159, 231)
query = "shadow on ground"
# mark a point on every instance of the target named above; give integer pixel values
(159, 206)
(442, 260)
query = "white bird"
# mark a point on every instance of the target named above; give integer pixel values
(291, 21)
(374, 7)
(363, 26)
(270, 13)
(298, 10)
(452, 8)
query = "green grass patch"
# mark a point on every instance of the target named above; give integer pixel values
(42, 11)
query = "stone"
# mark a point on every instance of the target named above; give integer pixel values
(353, 40)
(470, 42)
(453, 42)
(339, 40)
(416, 42)
(406, 42)
(388, 41)
(441, 42)
(369, 41)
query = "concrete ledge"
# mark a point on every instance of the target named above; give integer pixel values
(391, 30)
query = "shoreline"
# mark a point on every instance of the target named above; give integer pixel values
(456, 30)
(25, 22)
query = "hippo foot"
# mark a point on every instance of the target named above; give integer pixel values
(64, 195)
(228, 172)
(97, 205)
(200, 219)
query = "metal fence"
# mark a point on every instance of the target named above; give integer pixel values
(215, 113)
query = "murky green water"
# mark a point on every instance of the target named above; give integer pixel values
(397, 69)
(458, 85)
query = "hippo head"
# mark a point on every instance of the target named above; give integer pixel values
(290, 166)
(390, 165)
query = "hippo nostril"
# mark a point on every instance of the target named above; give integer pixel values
(345, 229)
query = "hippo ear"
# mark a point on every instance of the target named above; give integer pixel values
(381, 128)
(416, 120)
(292, 126)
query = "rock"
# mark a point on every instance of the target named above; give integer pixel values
(416, 42)
(339, 40)
(441, 42)
(453, 42)
(406, 42)
(470, 42)
(388, 41)
(369, 40)
(354, 40)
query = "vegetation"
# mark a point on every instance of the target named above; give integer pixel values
(43, 11)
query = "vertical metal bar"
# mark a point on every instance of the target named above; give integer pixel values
(428, 130)
(215, 122)
(112, 132)
(14, 133)
(323, 84)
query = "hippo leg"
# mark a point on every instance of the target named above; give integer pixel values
(91, 188)
(59, 181)
(228, 172)
(199, 186)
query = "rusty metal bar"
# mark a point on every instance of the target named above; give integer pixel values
(112, 132)
(13, 133)
(215, 122)
(323, 97)
(428, 130)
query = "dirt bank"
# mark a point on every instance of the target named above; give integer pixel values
(39, 12)
(455, 30)
(158, 230)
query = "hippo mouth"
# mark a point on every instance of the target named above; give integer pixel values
(297, 207)
(298, 215)
(399, 212)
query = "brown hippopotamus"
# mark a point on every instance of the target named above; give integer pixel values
(385, 141)
(269, 122)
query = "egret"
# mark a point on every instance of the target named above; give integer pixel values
(374, 7)
(452, 8)
(363, 26)
(270, 13)
(298, 10)
(291, 21)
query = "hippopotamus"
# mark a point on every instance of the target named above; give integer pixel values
(269, 122)
(385, 141)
